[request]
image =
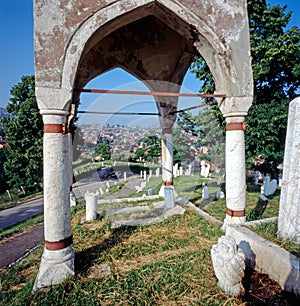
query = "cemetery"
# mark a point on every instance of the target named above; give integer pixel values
(168, 234)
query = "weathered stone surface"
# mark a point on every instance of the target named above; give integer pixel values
(91, 205)
(289, 208)
(229, 265)
(217, 29)
(156, 41)
(267, 257)
(142, 215)
(55, 267)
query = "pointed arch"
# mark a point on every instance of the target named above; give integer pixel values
(116, 15)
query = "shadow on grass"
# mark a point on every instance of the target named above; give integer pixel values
(84, 259)
(192, 188)
(253, 188)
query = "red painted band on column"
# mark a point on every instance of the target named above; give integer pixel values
(167, 131)
(58, 245)
(235, 213)
(168, 183)
(236, 126)
(56, 128)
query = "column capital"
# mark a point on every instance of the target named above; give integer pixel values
(235, 106)
(53, 98)
(54, 116)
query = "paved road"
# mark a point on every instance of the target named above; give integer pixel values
(22, 212)
(19, 245)
(31, 208)
(15, 248)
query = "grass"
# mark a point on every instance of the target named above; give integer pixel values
(269, 232)
(162, 264)
(216, 208)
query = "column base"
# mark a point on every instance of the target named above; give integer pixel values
(161, 192)
(232, 220)
(55, 267)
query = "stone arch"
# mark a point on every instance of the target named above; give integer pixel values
(67, 35)
(212, 47)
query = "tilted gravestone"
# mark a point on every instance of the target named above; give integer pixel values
(289, 209)
(270, 187)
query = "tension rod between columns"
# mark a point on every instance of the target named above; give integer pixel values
(118, 113)
(149, 93)
(193, 107)
(145, 114)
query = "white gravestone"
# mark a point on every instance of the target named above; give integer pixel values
(150, 192)
(220, 195)
(207, 170)
(270, 188)
(101, 191)
(205, 193)
(289, 207)
(190, 169)
(267, 179)
(280, 168)
(256, 177)
(229, 265)
(72, 199)
(169, 197)
(175, 170)
(202, 164)
(91, 205)
(180, 170)
(157, 172)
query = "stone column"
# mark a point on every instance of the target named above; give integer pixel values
(70, 138)
(167, 107)
(235, 171)
(167, 157)
(58, 258)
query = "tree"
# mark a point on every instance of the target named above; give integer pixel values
(3, 179)
(24, 136)
(276, 70)
(203, 130)
(102, 150)
(152, 149)
(183, 139)
(153, 146)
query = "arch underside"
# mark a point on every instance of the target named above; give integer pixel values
(146, 48)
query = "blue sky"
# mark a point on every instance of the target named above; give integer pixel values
(16, 54)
